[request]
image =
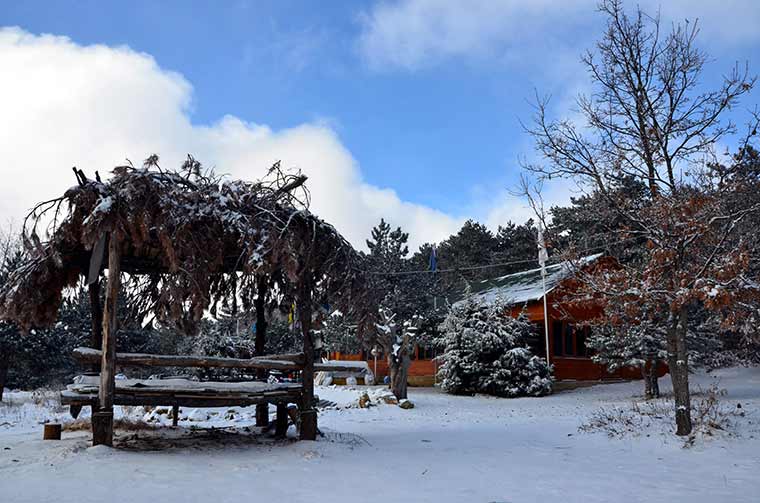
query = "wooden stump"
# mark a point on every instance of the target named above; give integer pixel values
(102, 428)
(52, 431)
(281, 423)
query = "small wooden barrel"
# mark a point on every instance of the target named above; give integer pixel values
(52, 431)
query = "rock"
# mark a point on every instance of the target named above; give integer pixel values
(364, 400)
(406, 404)
(197, 415)
(390, 399)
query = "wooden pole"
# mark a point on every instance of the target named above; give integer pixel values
(262, 410)
(308, 415)
(96, 318)
(102, 420)
(546, 316)
(281, 423)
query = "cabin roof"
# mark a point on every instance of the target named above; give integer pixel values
(526, 286)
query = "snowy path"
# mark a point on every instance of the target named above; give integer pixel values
(447, 449)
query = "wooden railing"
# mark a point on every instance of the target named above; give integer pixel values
(288, 362)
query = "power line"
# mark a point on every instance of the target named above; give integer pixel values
(487, 266)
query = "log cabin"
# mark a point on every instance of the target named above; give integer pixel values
(524, 290)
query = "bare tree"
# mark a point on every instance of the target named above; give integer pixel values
(648, 119)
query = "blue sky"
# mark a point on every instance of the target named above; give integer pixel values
(424, 96)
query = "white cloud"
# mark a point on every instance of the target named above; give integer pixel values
(413, 34)
(92, 106)
(416, 33)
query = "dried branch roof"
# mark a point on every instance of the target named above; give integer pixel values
(189, 239)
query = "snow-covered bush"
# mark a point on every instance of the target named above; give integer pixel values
(486, 351)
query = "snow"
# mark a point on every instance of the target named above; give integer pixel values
(527, 286)
(445, 449)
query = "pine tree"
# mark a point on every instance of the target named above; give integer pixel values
(486, 351)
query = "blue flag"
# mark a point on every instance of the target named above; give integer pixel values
(433, 259)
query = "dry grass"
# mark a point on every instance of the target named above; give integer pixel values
(49, 399)
(119, 424)
(709, 416)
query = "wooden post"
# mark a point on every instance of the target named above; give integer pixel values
(96, 318)
(262, 410)
(102, 420)
(175, 414)
(281, 423)
(308, 415)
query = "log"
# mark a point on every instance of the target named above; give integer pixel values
(276, 362)
(308, 415)
(181, 400)
(102, 433)
(262, 410)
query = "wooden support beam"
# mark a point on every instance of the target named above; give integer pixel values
(281, 421)
(87, 355)
(262, 410)
(292, 362)
(308, 414)
(96, 318)
(102, 421)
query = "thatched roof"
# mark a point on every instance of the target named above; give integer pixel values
(188, 239)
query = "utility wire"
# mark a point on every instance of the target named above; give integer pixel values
(488, 266)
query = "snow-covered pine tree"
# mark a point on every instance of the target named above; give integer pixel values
(485, 351)
(517, 372)
(338, 335)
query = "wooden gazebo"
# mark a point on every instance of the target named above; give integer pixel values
(185, 240)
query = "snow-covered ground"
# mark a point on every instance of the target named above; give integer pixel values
(446, 449)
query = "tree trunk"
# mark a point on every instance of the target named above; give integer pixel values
(262, 410)
(5, 361)
(678, 361)
(651, 385)
(398, 366)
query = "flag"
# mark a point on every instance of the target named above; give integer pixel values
(543, 255)
(433, 259)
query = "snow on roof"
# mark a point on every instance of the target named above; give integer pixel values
(522, 287)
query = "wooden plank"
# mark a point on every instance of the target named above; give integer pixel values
(88, 355)
(274, 362)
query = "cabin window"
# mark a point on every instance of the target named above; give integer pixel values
(557, 338)
(570, 340)
(569, 349)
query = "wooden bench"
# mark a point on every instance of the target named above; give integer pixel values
(188, 393)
